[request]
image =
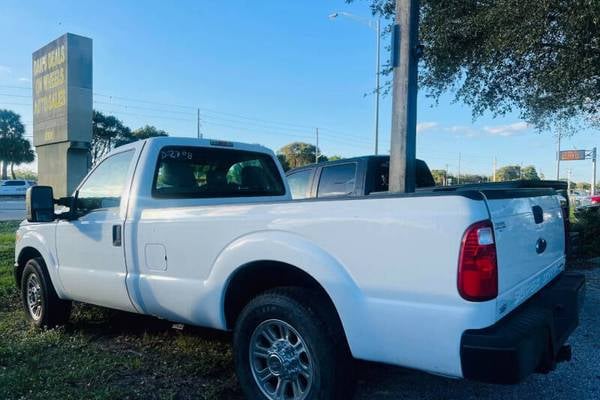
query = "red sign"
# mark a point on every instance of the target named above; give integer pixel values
(572, 155)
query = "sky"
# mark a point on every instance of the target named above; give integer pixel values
(267, 72)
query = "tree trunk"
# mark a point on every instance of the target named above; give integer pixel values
(12, 170)
(4, 170)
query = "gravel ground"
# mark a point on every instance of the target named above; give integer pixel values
(578, 379)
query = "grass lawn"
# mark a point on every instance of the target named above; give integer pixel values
(104, 354)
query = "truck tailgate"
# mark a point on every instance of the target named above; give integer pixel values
(529, 233)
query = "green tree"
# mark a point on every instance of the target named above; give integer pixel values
(299, 154)
(148, 131)
(583, 185)
(508, 173)
(27, 174)
(541, 58)
(283, 161)
(107, 132)
(529, 173)
(14, 148)
(473, 178)
(145, 132)
(334, 158)
(20, 152)
(439, 176)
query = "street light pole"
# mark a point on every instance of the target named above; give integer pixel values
(377, 73)
(558, 158)
(373, 24)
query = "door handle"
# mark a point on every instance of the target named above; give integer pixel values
(116, 235)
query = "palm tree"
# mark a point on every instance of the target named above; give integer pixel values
(14, 148)
(21, 153)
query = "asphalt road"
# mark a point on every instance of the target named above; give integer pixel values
(578, 379)
(12, 208)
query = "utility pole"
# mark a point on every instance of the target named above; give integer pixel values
(404, 92)
(593, 186)
(569, 181)
(198, 125)
(521, 171)
(459, 167)
(377, 68)
(495, 167)
(558, 159)
(446, 176)
(317, 146)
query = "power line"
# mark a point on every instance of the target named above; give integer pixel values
(143, 108)
(297, 127)
(15, 95)
(16, 87)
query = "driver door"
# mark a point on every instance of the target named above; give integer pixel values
(91, 259)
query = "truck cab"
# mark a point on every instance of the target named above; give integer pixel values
(354, 177)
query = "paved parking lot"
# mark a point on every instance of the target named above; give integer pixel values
(12, 208)
(578, 379)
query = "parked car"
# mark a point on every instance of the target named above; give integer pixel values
(15, 187)
(465, 283)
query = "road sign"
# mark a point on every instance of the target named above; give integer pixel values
(572, 155)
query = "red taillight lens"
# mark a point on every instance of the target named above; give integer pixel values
(595, 199)
(477, 266)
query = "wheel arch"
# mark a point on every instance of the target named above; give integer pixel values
(242, 288)
(27, 253)
(282, 259)
(36, 244)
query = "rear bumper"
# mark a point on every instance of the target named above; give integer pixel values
(528, 339)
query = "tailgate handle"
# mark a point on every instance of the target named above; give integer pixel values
(538, 214)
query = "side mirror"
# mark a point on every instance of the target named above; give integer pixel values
(39, 204)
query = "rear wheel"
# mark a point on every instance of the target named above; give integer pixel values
(288, 346)
(43, 307)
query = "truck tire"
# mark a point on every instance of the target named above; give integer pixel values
(290, 345)
(42, 306)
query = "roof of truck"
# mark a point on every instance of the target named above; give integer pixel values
(343, 161)
(187, 141)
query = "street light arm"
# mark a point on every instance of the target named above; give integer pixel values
(371, 23)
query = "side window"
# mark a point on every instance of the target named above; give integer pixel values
(200, 172)
(337, 180)
(382, 172)
(103, 188)
(298, 183)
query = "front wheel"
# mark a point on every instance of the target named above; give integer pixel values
(287, 346)
(43, 307)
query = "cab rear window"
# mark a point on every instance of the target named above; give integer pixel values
(200, 172)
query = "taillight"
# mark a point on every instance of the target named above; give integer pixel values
(477, 265)
(595, 199)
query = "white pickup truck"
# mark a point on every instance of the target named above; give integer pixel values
(466, 283)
